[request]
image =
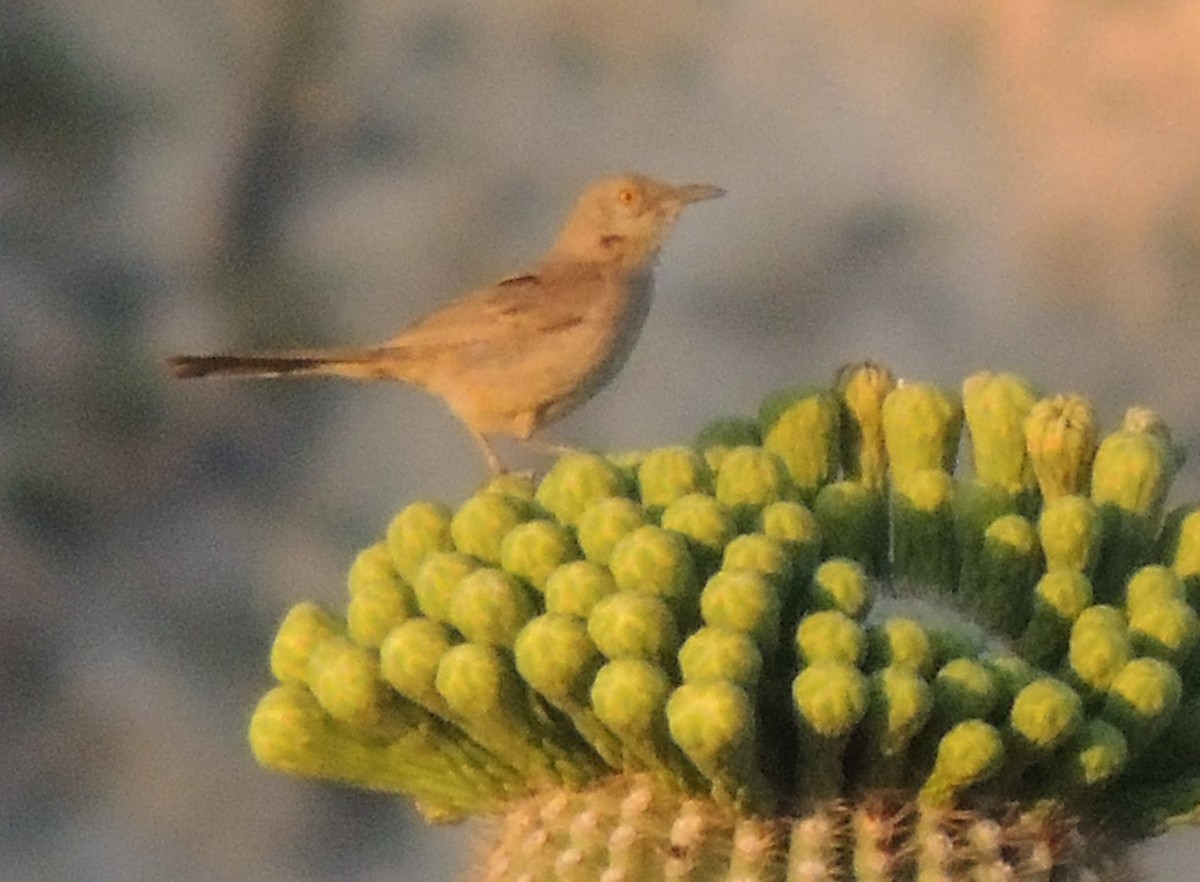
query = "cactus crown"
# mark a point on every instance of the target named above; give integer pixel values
(674, 664)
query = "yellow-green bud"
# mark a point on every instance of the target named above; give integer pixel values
(483, 521)
(651, 560)
(491, 607)
(303, 629)
(900, 642)
(379, 598)
(1045, 714)
(1069, 529)
(843, 585)
(630, 624)
(750, 478)
(721, 654)
(996, 408)
(971, 752)
(863, 388)
(830, 635)
(707, 524)
(574, 588)
(438, 579)
(606, 523)
(416, 532)
(555, 655)
(668, 473)
(921, 426)
(535, 549)
(409, 658)
(576, 482)
(801, 427)
(1060, 436)
(742, 600)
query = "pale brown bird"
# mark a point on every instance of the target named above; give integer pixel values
(515, 356)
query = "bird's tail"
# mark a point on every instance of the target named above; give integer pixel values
(359, 364)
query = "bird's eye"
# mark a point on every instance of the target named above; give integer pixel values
(627, 196)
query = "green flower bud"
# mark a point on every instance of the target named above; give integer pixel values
(651, 560)
(971, 752)
(1142, 699)
(574, 588)
(900, 642)
(745, 601)
(924, 550)
(854, 524)
(1096, 756)
(419, 530)
(963, 689)
(1166, 630)
(379, 598)
(921, 425)
(830, 636)
(761, 554)
(863, 388)
(630, 624)
(1130, 477)
(629, 697)
(706, 524)
(1069, 528)
(801, 427)
(575, 483)
(491, 607)
(750, 478)
(795, 527)
(291, 733)
(409, 658)
(481, 523)
(1152, 585)
(830, 699)
(999, 588)
(996, 408)
(843, 585)
(305, 626)
(1060, 436)
(1058, 599)
(345, 680)
(556, 657)
(1098, 649)
(606, 523)
(1045, 714)
(535, 549)
(713, 722)
(721, 654)
(437, 580)
(1179, 546)
(668, 473)
(900, 704)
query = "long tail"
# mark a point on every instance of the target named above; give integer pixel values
(371, 364)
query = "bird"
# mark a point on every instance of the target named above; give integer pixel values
(514, 356)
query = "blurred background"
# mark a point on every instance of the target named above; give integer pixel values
(940, 186)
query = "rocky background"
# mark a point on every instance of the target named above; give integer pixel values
(940, 186)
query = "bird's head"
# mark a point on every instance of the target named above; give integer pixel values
(625, 219)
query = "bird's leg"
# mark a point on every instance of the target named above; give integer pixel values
(493, 461)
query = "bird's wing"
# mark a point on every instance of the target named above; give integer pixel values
(516, 309)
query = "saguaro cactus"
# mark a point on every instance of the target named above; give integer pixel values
(676, 666)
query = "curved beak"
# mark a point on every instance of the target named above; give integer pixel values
(686, 194)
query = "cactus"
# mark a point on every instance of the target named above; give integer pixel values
(684, 664)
